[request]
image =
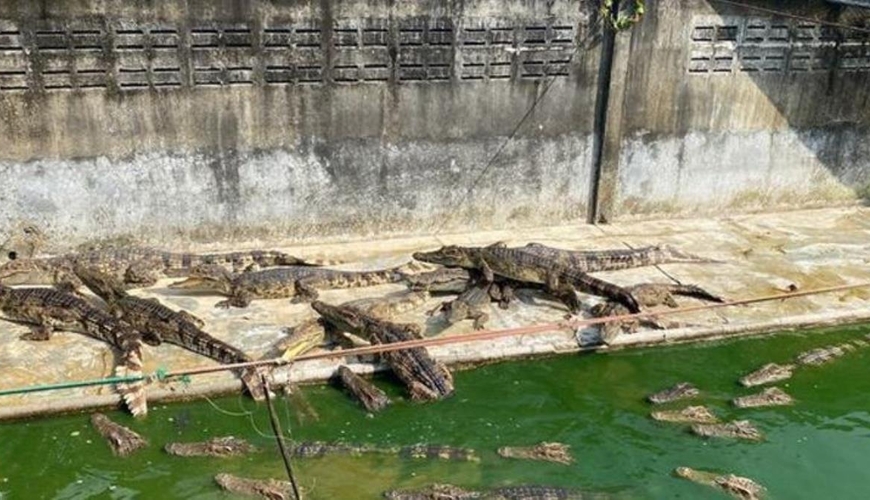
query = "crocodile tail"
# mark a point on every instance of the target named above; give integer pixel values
(696, 292)
(283, 259)
(590, 284)
(252, 379)
(669, 254)
(133, 393)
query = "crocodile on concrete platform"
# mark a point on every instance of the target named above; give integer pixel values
(548, 452)
(136, 266)
(590, 261)
(648, 295)
(772, 396)
(122, 440)
(738, 429)
(469, 305)
(175, 327)
(299, 282)
(271, 489)
(736, 486)
(498, 260)
(441, 280)
(767, 374)
(227, 446)
(424, 377)
(313, 332)
(47, 309)
(681, 390)
(688, 415)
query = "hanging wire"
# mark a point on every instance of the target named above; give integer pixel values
(276, 428)
(466, 194)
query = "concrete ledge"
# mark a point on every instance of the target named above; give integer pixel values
(765, 254)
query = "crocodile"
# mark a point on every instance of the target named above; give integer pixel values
(681, 390)
(520, 492)
(313, 449)
(469, 305)
(434, 492)
(271, 489)
(302, 338)
(424, 377)
(312, 333)
(227, 446)
(590, 261)
(767, 374)
(498, 260)
(390, 306)
(122, 440)
(441, 280)
(648, 295)
(690, 414)
(820, 355)
(167, 325)
(738, 429)
(738, 487)
(46, 310)
(772, 396)
(299, 282)
(369, 395)
(549, 452)
(136, 267)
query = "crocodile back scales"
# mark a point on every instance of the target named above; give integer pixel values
(523, 266)
(280, 282)
(27, 303)
(173, 328)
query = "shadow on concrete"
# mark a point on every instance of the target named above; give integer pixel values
(813, 64)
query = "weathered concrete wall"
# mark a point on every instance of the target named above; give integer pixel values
(719, 109)
(306, 120)
(230, 119)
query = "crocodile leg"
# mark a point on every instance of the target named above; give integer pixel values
(488, 274)
(480, 318)
(563, 292)
(238, 298)
(38, 333)
(193, 319)
(305, 291)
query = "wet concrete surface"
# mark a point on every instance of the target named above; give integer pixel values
(763, 254)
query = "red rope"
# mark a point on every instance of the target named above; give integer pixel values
(524, 330)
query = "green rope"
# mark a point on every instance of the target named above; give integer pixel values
(71, 385)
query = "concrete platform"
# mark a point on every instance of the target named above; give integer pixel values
(763, 253)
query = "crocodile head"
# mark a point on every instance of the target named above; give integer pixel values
(344, 318)
(206, 278)
(26, 271)
(450, 256)
(105, 286)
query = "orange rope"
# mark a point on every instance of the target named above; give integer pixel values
(524, 330)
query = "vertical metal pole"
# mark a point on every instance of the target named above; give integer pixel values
(600, 123)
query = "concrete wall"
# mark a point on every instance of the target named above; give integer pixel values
(716, 109)
(318, 120)
(237, 119)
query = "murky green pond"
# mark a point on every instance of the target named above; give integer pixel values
(820, 448)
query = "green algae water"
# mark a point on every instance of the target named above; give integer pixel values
(819, 448)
